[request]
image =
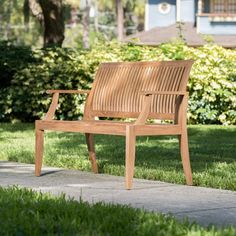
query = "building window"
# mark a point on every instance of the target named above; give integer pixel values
(223, 7)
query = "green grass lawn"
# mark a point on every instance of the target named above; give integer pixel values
(25, 212)
(212, 152)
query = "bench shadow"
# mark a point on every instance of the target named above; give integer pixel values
(19, 166)
(51, 172)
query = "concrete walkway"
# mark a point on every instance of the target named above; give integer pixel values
(203, 205)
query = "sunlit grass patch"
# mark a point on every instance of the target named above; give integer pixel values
(212, 153)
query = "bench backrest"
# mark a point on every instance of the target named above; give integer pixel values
(117, 86)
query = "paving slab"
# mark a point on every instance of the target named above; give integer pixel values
(203, 205)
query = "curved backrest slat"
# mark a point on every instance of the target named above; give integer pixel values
(117, 86)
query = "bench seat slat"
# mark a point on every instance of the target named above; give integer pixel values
(108, 127)
(101, 127)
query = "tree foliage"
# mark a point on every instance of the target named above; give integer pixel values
(12, 24)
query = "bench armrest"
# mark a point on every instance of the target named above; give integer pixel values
(181, 104)
(69, 91)
(51, 111)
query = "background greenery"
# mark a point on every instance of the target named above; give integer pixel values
(19, 25)
(26, 74)
(212, 152)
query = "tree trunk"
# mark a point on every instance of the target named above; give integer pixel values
(36, 10)
(8, 19)
(120, 19)
(86, 9)
(54, 25)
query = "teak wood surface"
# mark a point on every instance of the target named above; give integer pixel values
(141, 90)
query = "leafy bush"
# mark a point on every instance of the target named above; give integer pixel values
(13, 59)
(26, 99)
(212, 85)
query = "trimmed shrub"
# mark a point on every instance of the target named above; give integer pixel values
(212, 85)
(26, 99)
(13, 59)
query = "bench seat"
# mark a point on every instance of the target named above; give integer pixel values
(108, 127)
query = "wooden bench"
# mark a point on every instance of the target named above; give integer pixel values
(141, 90)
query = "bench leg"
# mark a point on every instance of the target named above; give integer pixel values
(91, 149)
(183, 143)
(130, 156)
(38, 151)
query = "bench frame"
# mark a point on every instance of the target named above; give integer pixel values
(130, 130)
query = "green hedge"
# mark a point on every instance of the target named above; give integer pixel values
(29, 73)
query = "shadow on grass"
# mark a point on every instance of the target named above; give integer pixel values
(207, 148)
(16, 127)
(212, 154)
(42, 214)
